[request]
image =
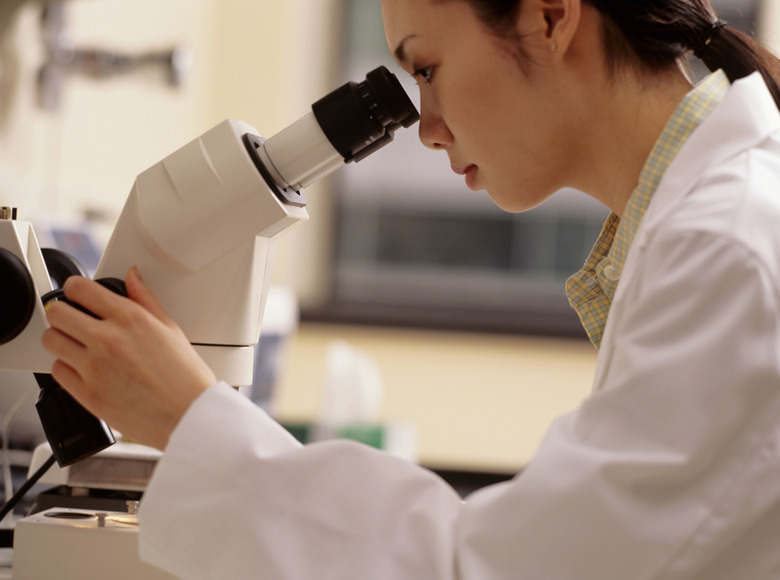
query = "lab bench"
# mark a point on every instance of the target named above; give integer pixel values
(480, 403)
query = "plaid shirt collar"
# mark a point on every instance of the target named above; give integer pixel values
(590, 291)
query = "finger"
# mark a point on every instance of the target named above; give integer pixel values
(68, 378)
(140, 293)
(96, 298)
(71, 322)
(63, 347)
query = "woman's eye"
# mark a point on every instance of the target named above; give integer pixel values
(425, 74)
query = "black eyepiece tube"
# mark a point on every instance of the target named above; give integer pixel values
(359, 118)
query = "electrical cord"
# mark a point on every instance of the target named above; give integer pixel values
(7, 420)
(7, 535)
(32, 480)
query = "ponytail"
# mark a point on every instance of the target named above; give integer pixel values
(739, 55)
(658, 33)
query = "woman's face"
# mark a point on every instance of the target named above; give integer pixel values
(504, 126)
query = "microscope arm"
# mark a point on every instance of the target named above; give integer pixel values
(202, 227)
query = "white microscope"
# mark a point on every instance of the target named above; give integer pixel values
(202, 226)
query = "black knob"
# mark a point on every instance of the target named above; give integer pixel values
(17, 296)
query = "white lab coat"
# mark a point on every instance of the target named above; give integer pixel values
(670, 470)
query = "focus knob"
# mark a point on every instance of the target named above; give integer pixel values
(17, 296)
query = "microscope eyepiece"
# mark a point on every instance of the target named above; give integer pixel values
(359, 118)
(347, 125)
(391, 98)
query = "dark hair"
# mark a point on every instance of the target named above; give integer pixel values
(655, 34)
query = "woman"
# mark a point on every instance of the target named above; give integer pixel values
(669, 470)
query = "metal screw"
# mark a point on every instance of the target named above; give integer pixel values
(7, 213)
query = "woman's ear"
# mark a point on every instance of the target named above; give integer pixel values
(561, 17)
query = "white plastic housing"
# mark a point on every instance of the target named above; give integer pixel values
(63, 547)
(301, 154)
(26, 352)
(202, 227)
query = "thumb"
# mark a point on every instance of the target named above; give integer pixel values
(139, 292)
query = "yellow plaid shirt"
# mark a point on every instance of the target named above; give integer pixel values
(590, 291)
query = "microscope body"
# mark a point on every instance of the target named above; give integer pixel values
(202, 226)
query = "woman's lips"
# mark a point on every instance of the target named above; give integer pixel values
(470, 173)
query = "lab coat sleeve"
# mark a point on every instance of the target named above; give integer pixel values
(236, 497)
(671, 457)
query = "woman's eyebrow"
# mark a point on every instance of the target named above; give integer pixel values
(400, 52)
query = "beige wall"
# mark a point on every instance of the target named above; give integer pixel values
(86, 154)
(769, 27)
(261, 61)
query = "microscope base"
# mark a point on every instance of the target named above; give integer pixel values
(73, 544)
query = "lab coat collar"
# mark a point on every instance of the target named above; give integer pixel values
(745, 117)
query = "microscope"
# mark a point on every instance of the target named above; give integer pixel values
(202, 226)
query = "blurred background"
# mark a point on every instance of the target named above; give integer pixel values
(460, 306)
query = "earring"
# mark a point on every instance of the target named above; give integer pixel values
(553, 47)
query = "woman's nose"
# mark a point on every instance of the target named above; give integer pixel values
(434, 132)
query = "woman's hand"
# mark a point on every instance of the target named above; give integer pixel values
(133, 367)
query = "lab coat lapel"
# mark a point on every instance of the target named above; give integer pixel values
(746, 117)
